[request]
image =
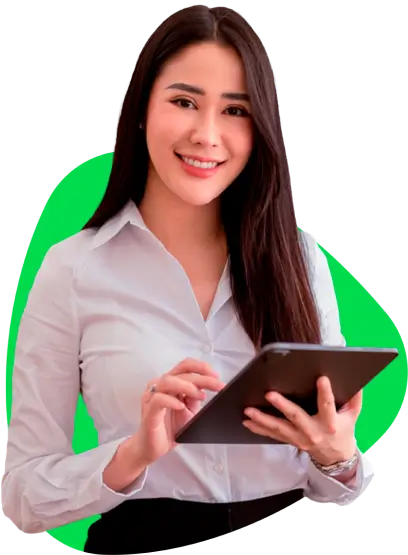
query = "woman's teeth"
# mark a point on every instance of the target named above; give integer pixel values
(197, 164)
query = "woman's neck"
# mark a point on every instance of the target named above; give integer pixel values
(180, 225)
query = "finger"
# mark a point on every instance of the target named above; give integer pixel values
(190, 365)
(326, 404)
(193, 405)
(277, 427)
(354, 405)
(203, 382)
(295, 414)
(173, 385)
(261, 430)
(189, 385)
(154, 412)
(162, 401)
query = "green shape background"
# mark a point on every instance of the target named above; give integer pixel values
(364, 322)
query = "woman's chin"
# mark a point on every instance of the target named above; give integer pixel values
(199, 200)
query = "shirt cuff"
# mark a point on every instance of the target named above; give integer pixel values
(110, 498)
(133, 488)
(324, 489)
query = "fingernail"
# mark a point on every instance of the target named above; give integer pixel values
(249, 412)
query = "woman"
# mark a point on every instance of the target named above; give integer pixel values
(190, 264)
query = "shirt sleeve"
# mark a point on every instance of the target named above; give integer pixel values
(323, 489)
(46, 484)
(320, 487)
(324, 293)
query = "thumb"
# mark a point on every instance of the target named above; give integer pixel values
(192, 405)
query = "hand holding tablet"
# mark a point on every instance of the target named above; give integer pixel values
(303, 402)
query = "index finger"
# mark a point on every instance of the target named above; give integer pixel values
(193, 366)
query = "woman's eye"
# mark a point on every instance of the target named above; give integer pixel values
(183, 103)
(236, 111)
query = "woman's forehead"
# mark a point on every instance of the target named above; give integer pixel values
(205, 66)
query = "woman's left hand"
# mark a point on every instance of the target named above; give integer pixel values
(328, 436)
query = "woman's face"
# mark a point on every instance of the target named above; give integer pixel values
(198, 128)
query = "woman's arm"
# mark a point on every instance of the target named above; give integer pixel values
(321, 487)
(45, 484)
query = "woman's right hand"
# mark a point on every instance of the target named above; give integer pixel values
(176, 398)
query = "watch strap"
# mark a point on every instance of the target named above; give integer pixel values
(337, 468)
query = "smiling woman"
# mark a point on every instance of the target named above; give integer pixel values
(217, 56)
(191, 262)
(198, 124)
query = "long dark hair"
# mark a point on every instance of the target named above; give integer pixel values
(269, 274)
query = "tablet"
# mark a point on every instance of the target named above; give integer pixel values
(292, 370)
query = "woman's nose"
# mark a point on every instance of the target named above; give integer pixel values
(206, 131)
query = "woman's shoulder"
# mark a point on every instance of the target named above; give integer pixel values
(312, 253)
(68, 255)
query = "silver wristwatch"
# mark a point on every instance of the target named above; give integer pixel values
(336, 469)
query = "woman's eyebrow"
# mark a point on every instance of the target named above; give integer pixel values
(197, 90)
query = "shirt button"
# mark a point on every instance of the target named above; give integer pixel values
(219, 468)
(207, 348)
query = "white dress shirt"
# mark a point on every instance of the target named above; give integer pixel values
(109, 310)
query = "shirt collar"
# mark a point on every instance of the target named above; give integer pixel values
(130, 214)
